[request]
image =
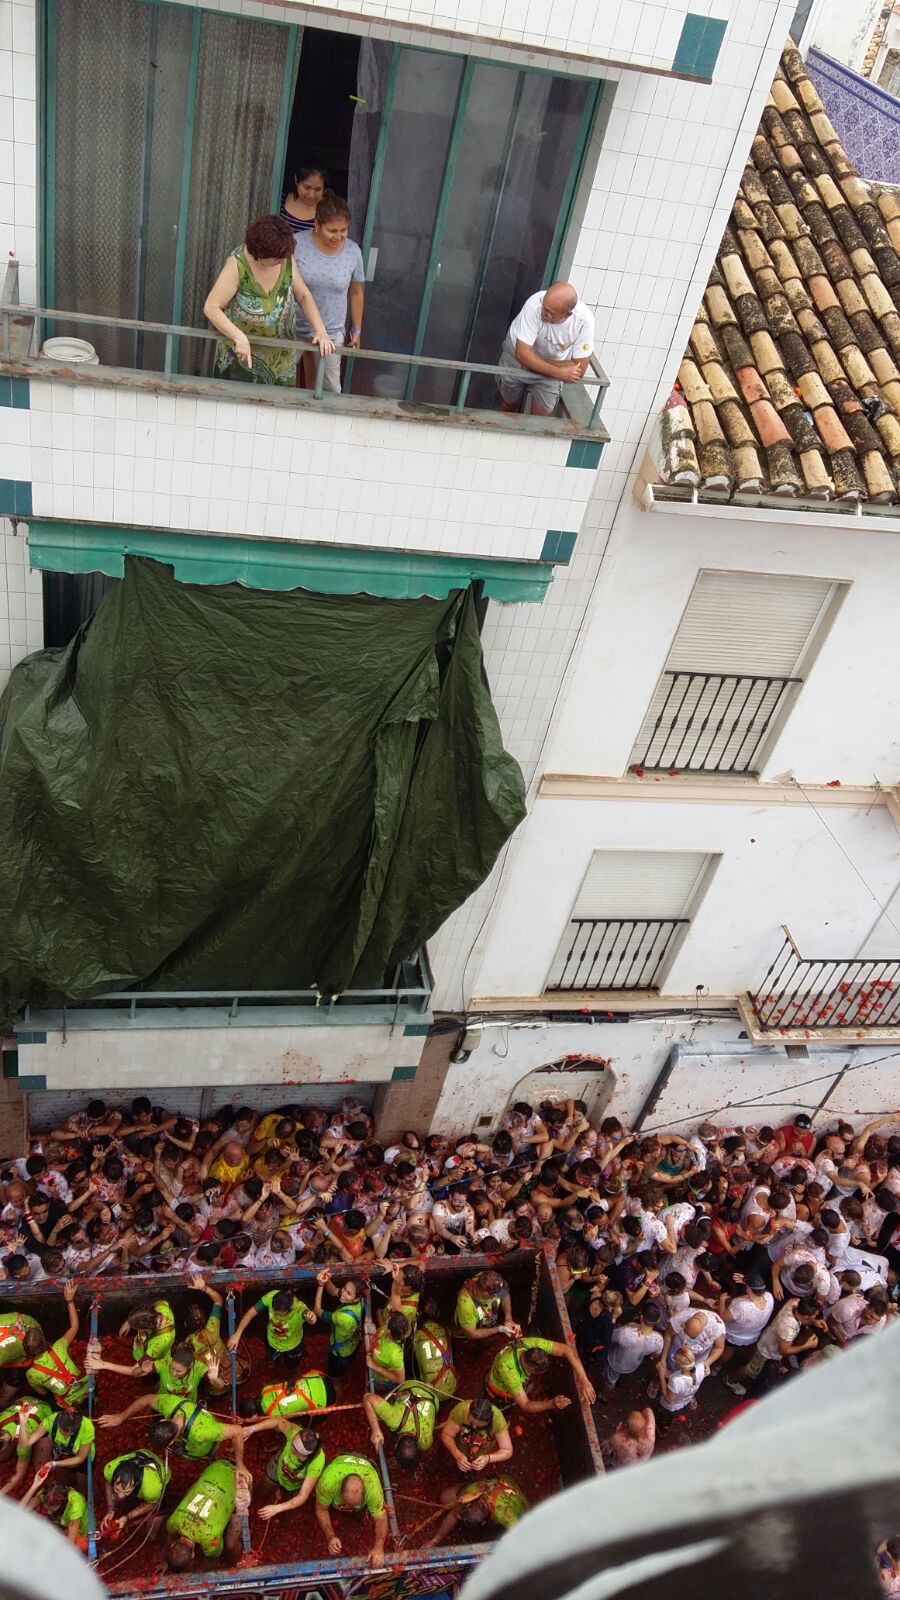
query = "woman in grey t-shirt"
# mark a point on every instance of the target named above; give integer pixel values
(332, 267)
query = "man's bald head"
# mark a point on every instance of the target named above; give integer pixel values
(560, 301)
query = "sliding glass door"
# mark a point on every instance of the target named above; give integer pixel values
(469, 202)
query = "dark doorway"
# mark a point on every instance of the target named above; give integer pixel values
(325, 100)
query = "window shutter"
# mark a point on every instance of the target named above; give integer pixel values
(741, 628)
(639, 883)
(633, 901)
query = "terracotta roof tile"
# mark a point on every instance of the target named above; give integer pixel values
(791, 385)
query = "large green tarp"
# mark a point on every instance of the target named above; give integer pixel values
(216, 788)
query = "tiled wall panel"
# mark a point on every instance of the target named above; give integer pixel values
(21, 601)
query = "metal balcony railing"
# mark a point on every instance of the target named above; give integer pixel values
(801, 992)
(409, 991)
(710, 721)
(615, 952)
(21, 334)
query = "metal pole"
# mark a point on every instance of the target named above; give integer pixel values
(229, 1307)
(92, 1521)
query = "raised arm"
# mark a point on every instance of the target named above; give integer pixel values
(242, 1327)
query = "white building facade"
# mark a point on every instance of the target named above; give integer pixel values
(587, 585)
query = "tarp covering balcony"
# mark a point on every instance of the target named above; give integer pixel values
(212, 786)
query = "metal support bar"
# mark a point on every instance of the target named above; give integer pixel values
(382, 1458)
(92, 1519)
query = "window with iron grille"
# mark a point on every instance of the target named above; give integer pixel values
(632, 913)
(738, 659)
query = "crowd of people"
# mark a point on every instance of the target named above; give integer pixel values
(753, 1251)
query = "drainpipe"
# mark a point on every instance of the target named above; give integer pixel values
(679, 1051)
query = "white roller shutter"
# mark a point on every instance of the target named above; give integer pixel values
(631, 900)
(639, 883)
(744, 625)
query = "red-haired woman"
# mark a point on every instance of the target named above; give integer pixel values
(255, 297)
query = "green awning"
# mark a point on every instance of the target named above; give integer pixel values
(280, 564)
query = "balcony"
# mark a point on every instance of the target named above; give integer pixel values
(710, 722)
(23, 327)
(615, 953)
(824, 998)
(405, 1001)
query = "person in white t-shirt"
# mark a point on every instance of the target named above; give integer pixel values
(549, 343)
(678, 1387)
(634, 1339)
(745, 1315)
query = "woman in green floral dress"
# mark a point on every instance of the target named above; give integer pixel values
(260, 286)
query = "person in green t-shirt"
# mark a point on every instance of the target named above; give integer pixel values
(406, 1291)
(287, 1316)
(65, 1506)
(66, 1439)
(153, 1328)
(386, 1359)
(351, 1483)
(135, 1484)
(484, 1308)
(21, 1340)
(185, 1427)
(53, 1371)
(517, 1363)
(432, 1350)
(344, 1323)
(207, 1520)
(411, 1411)
(19, 1423)
(476, 1435)
(296, 1466)
(203, 1332)
(498, 1501)
(179, 1373)
(311, 1391)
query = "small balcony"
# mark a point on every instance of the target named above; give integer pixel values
(388, 391)
(615, 953)
(710, 722)
(404, 1001)
(803, 997)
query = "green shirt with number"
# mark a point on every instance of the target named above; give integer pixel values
(433, 1356)
(284, 1329)
(205, 1511)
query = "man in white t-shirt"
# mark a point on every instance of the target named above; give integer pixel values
(633, 1342)
(549, 343)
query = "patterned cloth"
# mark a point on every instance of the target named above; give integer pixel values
(260, 313)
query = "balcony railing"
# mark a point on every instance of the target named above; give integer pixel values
(711, 722)
(21, 334)
(801, 992)
(409, 994)
(615, 952)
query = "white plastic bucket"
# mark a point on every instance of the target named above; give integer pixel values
(73, 352)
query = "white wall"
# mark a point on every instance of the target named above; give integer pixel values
(846, 721)
(780, 864)
(21, 596)
(217, 466)
(723, 1078)
(157, 1058)
(844, 28)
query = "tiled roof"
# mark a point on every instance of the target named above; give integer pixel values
(791, 383)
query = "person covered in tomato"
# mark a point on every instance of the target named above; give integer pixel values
(207, 1520)
(495, 1502)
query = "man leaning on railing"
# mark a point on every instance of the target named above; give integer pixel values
(549, 343)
